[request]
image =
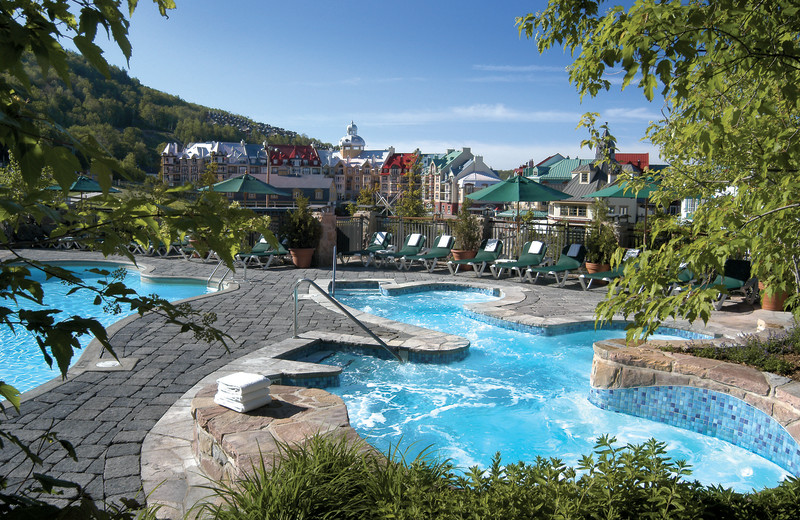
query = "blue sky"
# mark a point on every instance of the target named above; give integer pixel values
(411, 74)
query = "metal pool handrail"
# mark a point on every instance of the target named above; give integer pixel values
(396, 353)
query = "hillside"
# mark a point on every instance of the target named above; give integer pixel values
(134, 121)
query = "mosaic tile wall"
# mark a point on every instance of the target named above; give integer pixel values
(708, 412)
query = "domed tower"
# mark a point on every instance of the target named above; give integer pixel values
(351, 144)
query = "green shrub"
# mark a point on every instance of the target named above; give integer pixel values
(767, 354)
(331, 478)
(301, 229)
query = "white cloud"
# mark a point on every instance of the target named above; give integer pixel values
(638, 114)
(518, 68)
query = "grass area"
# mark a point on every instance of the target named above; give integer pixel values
(779, 353)
(331, 478)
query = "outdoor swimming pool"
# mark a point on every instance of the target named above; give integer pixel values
(22, 363)
(520, 394)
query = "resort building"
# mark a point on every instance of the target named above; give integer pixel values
(184, 165)
(399, 172)
(448, 179)
(353, 167)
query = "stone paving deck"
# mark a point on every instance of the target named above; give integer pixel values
(106, 414)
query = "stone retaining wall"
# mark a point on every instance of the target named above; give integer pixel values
(756, 410)
(228, 444)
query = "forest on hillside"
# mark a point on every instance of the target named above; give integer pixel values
(135, 122)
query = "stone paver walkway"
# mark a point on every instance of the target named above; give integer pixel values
(107, 414)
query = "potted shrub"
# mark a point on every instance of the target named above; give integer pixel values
(601, 242)
(302, 232)
(467, 233)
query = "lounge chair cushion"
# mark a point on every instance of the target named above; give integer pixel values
(413, 240)
(574, 250)
(491, 245)
(444, 241)
(380, 236)
(536, 247)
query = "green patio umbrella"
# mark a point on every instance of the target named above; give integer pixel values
(245, 184)
(518, 189)
(83, 184)
(622, 191)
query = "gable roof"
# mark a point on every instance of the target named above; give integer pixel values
(558, 171)
(287, 152)
(403, 161)
(640, 160)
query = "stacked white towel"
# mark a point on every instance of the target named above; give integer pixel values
(243, 392)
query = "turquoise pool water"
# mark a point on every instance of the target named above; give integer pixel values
(22, 362)
(520, 394)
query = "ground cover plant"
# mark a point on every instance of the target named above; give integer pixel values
(778, 353)
(332, 478)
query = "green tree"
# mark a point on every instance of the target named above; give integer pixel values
(727, 71)
(365, 200)
(410, 202)
(43, 153)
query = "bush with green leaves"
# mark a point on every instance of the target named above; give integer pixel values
(466, 229)
(769, 354)
(300, 228)
(330, 477)
(601, 242)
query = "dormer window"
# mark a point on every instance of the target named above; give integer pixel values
(584, 177)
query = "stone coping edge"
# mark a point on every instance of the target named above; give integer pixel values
(171, 476)
(94, 351)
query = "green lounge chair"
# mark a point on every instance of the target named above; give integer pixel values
(379, 241)
(735, 278)
(262, 254)
(443, 245)
(607, 276)
(571, 259)
(490, 250)
(532, 255)
(412, 245)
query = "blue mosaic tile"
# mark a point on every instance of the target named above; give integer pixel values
(708, 412)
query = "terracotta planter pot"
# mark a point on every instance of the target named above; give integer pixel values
(597, 268)
(592, 267)
(464, 254)
(773, 302)
(301, 257)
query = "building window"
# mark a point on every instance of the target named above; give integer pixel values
(318, 194)
(623, 210)
(584, 177)
(297, 193)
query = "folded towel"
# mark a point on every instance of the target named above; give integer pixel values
(491, 245)
(413, 240)
(444, 241)
(380, 236)
(243, 407)
(242, 382)
(536, 247)
(238, 395)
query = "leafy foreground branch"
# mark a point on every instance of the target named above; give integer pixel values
(331, 478)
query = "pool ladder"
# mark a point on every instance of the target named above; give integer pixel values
(218, 283)
(400, 355)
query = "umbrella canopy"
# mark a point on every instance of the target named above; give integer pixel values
(518, 189)
(84, 184)
(246, 184)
